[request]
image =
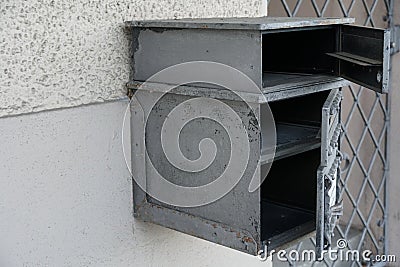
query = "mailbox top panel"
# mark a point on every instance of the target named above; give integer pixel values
(258, 23)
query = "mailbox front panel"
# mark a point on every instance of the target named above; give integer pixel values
(232, 220)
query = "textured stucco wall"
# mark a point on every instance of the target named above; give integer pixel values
(65, 53)
(66, 198)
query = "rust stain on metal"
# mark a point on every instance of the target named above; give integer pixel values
(247, 239)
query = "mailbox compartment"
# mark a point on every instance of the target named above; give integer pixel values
(293, 202)
(320, 54)
(292, 58)
(276, 53)
(288, 199)
(298, 129)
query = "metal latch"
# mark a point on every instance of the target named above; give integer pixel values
(394, 39)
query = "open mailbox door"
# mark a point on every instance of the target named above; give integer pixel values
(329, 207)
(363, 56)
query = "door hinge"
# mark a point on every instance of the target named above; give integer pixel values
(394, 39)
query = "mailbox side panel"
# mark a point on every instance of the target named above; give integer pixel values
(234, 219)
(158, 48)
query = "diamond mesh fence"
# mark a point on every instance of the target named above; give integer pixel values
(365, 123)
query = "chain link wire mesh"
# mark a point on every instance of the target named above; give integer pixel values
(365, 122)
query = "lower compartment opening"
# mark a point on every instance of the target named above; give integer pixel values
(288, 205)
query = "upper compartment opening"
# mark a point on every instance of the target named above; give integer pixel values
(297, 57)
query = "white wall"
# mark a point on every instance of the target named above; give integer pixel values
(66, 198)
(66, 53)
(65, 191)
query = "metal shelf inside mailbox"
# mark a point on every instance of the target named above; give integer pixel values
(292, 139)
(283, 81)
(297, 129)
(284, 223)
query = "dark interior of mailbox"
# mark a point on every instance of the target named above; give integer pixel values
(289, 191)
(295, 57)
(298, 56)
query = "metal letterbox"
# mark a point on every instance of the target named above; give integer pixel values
(299, 64)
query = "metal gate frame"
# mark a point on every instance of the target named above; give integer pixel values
(369, 237)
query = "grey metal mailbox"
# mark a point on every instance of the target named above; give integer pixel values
(299, 64)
